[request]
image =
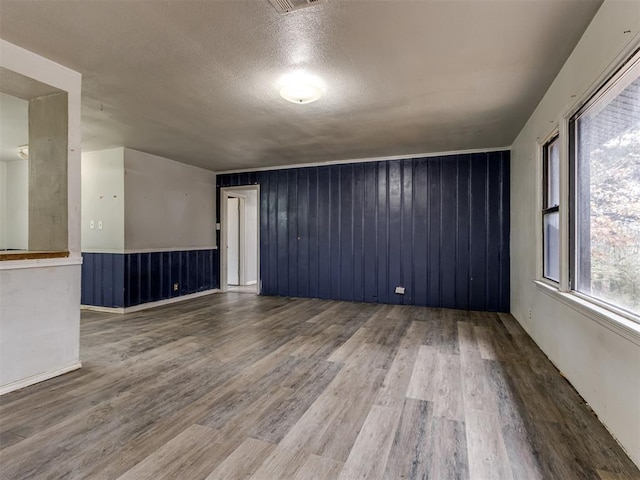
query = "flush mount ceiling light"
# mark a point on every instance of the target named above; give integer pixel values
(23, 152)
(301, 88)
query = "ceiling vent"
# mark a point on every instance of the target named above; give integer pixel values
(287, 6)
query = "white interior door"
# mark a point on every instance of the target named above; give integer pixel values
(233, 241)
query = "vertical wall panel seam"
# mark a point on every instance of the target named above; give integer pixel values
(387, 223)
(456, 254)
(340, 233)
(440, 193)
(308, 233)
(277, 230)
(318, 235)
(161, 273)
(292, 194)
(376, 172)
(427, 265)
(470, 220)
(329, 230)
(413, 233)
(180, 274)
(500, 227)
(487, 220)
(353, 234)
(400, 257)
(387, 207)
(113, 279)
(362, 230)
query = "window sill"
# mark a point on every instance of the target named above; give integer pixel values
(38, 260)
(10, 255)
(616, 323)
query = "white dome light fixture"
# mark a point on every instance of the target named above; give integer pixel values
(301, 88)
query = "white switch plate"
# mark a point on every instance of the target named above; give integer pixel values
(400, 290)
(99, 224)
(92, 225)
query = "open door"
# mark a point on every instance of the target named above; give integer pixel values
(233, 241)
(240, 239)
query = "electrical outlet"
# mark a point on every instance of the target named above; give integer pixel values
(175, 287)
(400, 290)
(92, 225)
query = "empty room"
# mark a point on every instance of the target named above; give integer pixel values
(320, 239)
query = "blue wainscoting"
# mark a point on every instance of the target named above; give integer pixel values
(438, 226)
(128, 279)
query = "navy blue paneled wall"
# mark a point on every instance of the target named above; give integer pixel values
(437, 226)
(128, 279)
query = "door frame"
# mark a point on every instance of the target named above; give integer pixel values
(225, 193)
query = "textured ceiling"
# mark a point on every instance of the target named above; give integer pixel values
(195, 81)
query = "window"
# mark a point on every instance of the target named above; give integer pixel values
(14, 174)
(33, 169)
(605, 186)
(550, 210)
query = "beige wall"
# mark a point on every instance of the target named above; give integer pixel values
(145, 202)
(169, 205)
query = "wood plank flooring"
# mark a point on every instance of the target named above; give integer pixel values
(234, 386)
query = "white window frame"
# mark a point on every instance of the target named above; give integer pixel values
(604, 89)
(544, 186)
(617, 320)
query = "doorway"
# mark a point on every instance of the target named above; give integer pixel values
(240, 239)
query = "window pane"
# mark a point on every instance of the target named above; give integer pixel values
(553, 174)
(552, 246)
(608, 197)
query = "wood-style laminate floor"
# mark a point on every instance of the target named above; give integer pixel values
(234, 386)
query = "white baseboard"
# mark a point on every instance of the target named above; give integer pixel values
(41, 377)
(144, 306)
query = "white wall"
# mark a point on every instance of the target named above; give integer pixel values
(14, 193)
(14, 126)
(40, 299)
(103, 200)
(3, 205)
(17, 205)
(40, 322)
(602, 363)
(169, 205)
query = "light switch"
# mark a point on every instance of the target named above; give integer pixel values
(99, 224)
(92, 225)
